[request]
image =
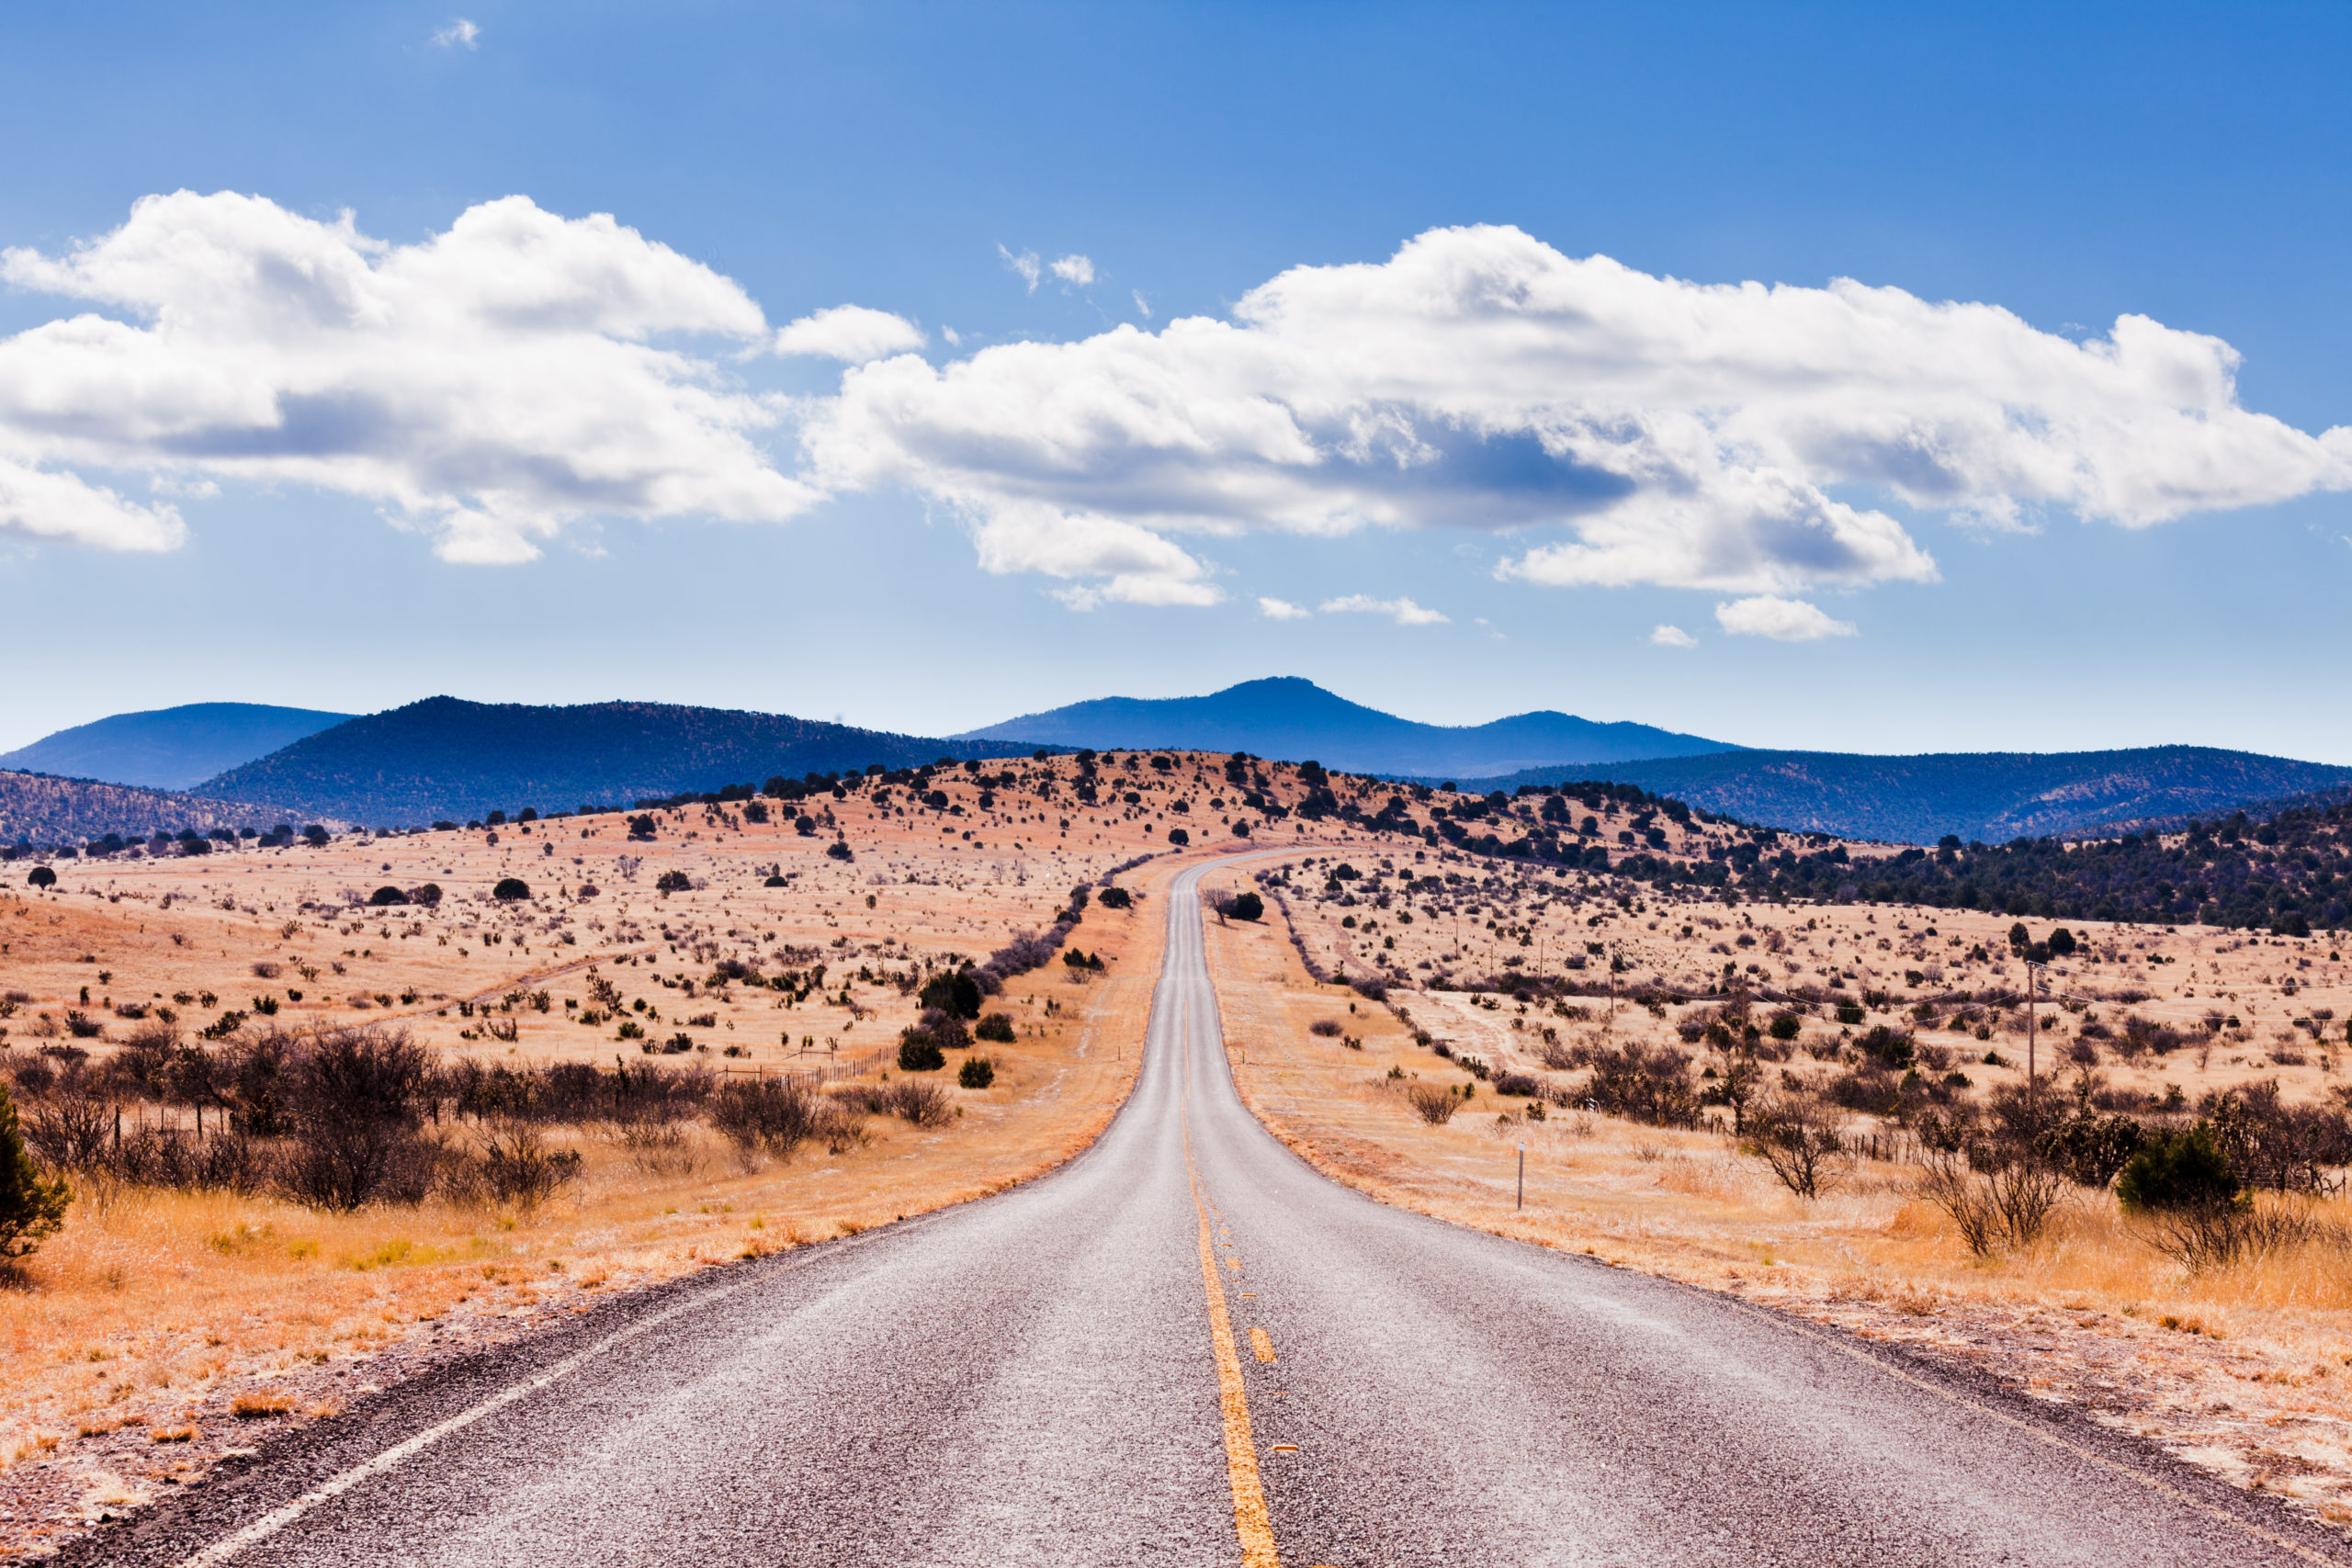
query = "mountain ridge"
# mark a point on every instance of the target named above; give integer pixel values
(1287, 716)
(447, 758)
(168, 749)
(1991, 796)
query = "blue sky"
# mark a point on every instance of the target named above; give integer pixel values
(929, 544)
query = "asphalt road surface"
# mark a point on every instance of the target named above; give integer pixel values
(1186, 1347)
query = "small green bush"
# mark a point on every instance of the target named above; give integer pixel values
(1117, 898)
(672, 882)
(1850, 1012)
(2188, 1171)
(511, 888)
(1246, 907)
(956, 994)
(997, 1026)
(774, 882)
(977, 1072)
(919, 1053)
(42, 878)
(387, 894)
(1785, 1026)
(32, 1206)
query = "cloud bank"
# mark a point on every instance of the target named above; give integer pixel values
(493, 384)
(1689, 435)
(488, 385)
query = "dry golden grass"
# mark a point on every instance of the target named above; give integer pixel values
(2247, 1369)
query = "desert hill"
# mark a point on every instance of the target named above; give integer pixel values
(175, 748)
(36, 808)
(1295, 718)
(1991, 796)
(444, 758)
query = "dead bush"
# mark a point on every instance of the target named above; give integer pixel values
(1433, 1104)
(2215, 1235)
(2003, 1208)
(1801, 1142)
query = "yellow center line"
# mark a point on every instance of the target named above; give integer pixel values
(1250, 1520)
(1263, 1343)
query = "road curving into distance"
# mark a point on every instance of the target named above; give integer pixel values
(1187, 1348)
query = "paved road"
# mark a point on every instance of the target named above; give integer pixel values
(1074, 1372)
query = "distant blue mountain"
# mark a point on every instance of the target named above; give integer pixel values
(1988, 795)
(169, 748)
(447, 758)
(1288, 718)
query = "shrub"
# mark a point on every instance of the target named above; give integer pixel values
(2091, 1148)
(953, 992)
(428, 895)
(511, 888)
(2008, 1206)
(1891, 1048)
(923, 1104)
(775, 882)
(1645, 1085)
(977, 1072)
(640, 827)
(32, 1206)
(775, 1113)
(1117, 898)
(919, 1053)
(515, 1166)
(353, 1099)
(1433, 1104)
(1517, 1083)
(1785, 1026)
(386, 896)
(997, 1027)
(1178, 837)
(838, 851)
(42, 877)
(1246, 907)
(1850, 1012)
(1801, 1142)
(1326, 1028)
(672, 882)
(2184, 1172)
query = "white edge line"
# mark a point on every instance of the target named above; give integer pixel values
(278, 1519)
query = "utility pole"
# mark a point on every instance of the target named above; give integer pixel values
(2032, 1000)
(1520, 1203)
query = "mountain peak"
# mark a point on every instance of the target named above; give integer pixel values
(1291, 716)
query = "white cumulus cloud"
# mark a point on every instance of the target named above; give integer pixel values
(1783, 620)
(851, 333)
(459, 34)
(1404, 612)
(1076, 271)
(1283, 610)
(1632, 429)
(488, 385)
(1672, 637)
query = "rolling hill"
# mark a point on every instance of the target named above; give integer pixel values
(169, 748)
(1295, 720)
(447, 758)
(1991, 796)
(39, 809)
